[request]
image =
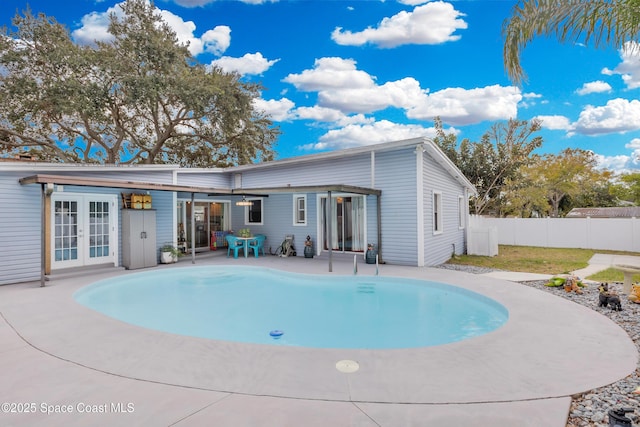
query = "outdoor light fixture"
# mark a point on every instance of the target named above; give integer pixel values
(244, 202)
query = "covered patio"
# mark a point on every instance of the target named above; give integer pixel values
(47, 182)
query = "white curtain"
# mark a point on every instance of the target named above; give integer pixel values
(357, 223)
(333, 223)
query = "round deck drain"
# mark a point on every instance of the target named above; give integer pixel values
(347, 366)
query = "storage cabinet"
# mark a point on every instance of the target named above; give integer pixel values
(139, 239)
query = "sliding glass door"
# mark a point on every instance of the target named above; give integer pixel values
(347, 223)
(209, 217)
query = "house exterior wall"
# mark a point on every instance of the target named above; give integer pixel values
(395, 175)
(278, 221)
(21, 221)
(352, 170)
(215, 178)
(406, 174)
(439, 247)
(20, 230)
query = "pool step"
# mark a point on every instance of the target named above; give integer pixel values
(366, 288)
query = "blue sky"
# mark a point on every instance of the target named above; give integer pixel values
(341, 74)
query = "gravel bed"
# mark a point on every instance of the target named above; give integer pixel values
(591, 408)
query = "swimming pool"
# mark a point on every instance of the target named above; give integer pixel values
(259, 305)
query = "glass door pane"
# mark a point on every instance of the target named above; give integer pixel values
(99, 229)
(66, 230)
(347, 224)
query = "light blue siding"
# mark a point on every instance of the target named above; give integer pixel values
(278, 221)
(396, 177)
(20, 230)
(354, 170)
(439, 247)
(214, 179)
(372, 220)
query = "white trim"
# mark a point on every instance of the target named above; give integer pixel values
(462, 218)
(438, 222)
(420, 250)
(246, 212)
(372, 184)
(295, 199)
(83, 229)
(319, 245)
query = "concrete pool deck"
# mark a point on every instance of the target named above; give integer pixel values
(58, 355)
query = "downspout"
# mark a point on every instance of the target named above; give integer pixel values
(193, 228)
(329, 244)
(379, 214)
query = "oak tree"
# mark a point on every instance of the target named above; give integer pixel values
(138, 98)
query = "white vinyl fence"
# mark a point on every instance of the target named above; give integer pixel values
(586, 233)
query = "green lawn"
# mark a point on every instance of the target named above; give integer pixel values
(542, 260)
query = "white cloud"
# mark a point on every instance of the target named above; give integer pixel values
(618, 164)
(433, 23)
(330, 116)
(594, 87)
(368, 134)
(622, 163)
(216, 41)
(413, 2)
(618, 116)
(330, 73)
(196, 3)
(279, 110)
(529, 99)
(95, 28)
(458, 106)
(319, 114)
(629, 68)
(250, 63)
(555, 122)
(341, 86)
(404, 93)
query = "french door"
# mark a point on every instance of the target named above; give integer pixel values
(347, 222)
(83, 230)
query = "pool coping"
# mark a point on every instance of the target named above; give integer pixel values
(549, 350)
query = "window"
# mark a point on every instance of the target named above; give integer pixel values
(437, 212)
(462, 207)
(253, 213)
(299, 209)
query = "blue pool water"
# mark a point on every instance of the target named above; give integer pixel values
(258, 305)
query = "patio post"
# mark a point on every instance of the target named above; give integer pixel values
(43, 241)
(379, 214)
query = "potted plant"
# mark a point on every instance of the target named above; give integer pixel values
(169, 253)
(308, 247)
(244, 232)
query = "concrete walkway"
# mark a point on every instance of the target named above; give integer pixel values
(88, 369)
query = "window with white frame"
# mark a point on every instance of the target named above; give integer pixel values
(462, 208)
(253, 213)
(437, 212)
(299, 209)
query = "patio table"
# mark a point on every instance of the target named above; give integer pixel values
(245, 241)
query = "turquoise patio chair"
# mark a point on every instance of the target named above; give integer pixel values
(257, 244)
(233, 244)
